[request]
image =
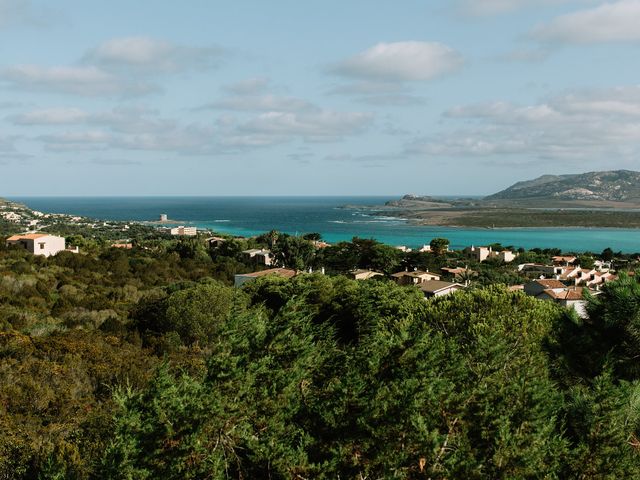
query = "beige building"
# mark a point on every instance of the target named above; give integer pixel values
(481, 254)
(39, 243)
(436, 288)
(364, 274)
(243, 278)
(259, 255)
(556, 291)
(185, 231)
(415, 277)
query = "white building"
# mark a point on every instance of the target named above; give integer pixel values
(361, 274)
(186, 231)
(437, 288)
(39, 243)
(485, 253)
(414, 277)
(259, 255)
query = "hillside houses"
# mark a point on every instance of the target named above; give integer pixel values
(39, 243)
(568, 274)
(482, 254)
(558, 292)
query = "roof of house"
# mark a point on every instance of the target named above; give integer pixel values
(550, 283)
(362, 271)
(30, 236)
(256, 251)
(457, 270)
(433, 286)
(561, 258)
(414, 273)
(567, 294)
(282, 272)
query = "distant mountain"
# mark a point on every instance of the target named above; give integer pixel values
(614, 186)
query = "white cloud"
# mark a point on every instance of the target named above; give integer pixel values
(188, 140)
(50, 116)
(258, 95)
(272, 128)
(121, 119)
(585, 125)
(401, 61)
(610, 22)
(79, 80)
(152, 55)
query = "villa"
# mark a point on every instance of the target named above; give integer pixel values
(184, 231)
(556, 291)
(415, 277)
(481, 254)
(436, 288)
(259, 255)
(361, 274)
(39, 243)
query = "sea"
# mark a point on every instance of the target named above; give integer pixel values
(336, 218)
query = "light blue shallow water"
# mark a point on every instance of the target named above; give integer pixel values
(253, 215)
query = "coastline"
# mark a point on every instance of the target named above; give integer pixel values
(249, 217)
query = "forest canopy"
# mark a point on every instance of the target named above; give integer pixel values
(147, 363)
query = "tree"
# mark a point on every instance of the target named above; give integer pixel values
(293, 252)
(607, 254)
(197, 313)
(439, 246)
(586, 261)
(314, 236)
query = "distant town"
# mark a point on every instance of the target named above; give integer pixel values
(562, 278)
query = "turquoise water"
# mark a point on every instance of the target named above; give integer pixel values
(253, 215)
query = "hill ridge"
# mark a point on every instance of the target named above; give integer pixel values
(610, 185)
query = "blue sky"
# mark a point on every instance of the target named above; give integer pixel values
(313, 98)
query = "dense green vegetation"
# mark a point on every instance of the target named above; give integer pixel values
(147, 363)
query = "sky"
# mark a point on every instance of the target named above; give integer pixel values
(285, 97)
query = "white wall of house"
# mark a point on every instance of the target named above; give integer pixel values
(47, 245)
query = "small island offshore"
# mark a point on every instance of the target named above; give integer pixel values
(596, 199)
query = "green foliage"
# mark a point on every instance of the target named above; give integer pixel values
(360, 253)
(293, 252)
(146, 363)
(439, 246)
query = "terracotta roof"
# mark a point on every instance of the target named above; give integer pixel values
(282, 272)
(31, 236)
(564, 258)
(551, 283)
(569, 294)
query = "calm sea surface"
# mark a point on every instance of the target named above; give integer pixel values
(252, 215)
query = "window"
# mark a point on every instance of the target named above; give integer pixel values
(41, 246)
